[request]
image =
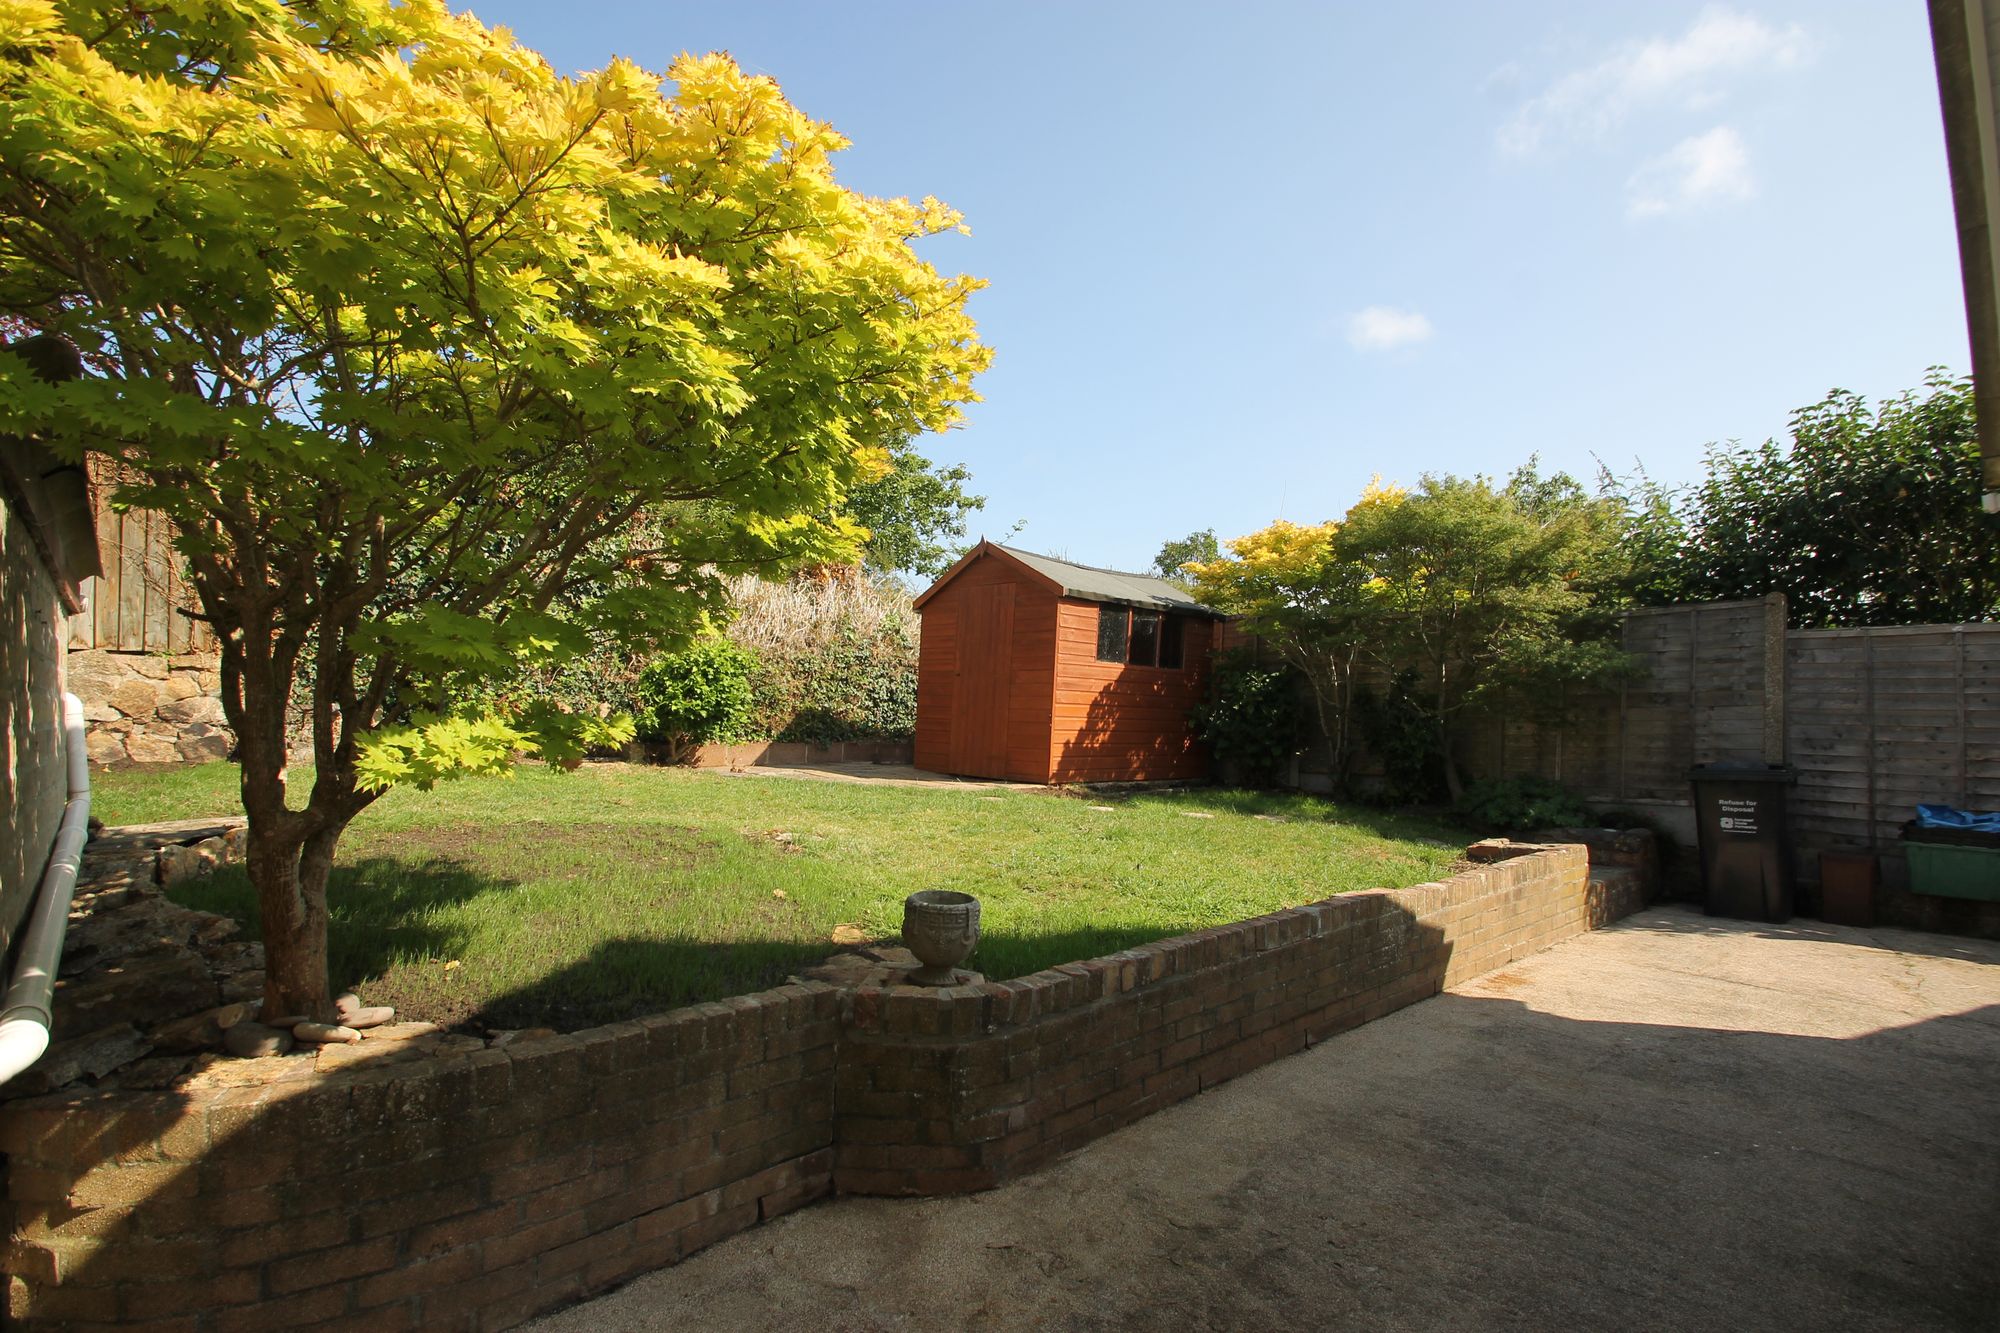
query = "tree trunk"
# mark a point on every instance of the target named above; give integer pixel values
(1454, 785)
(290, 874)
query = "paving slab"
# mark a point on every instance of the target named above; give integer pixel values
(1676, 1123)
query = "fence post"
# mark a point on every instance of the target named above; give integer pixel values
(1958, 673)
(1774, 678)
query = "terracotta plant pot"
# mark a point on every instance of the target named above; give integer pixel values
(941, 928)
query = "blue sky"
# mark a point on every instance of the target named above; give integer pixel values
(1244, 257)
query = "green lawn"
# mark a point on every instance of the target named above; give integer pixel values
(573, 899)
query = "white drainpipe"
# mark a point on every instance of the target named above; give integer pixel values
(25, 1013)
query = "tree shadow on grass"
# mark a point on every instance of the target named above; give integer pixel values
(382, 909)
(631, 976)
(392, 939)
(1003, 955)
(1431, 826)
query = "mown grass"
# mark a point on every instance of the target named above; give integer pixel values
(571, 899)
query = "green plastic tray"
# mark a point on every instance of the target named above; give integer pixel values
(1954, 872)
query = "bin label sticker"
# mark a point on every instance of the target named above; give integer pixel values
(1738, 816)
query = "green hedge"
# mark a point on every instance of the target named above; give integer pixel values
(846, 690)
(823, 664)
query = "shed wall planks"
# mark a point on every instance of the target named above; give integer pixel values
(1068, 716)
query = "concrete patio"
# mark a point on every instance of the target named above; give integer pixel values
(1673, 1123)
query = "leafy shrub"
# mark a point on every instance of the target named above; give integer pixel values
(700, 695)
(834, 659)
(848, 689)
(1509, 805)
(1400, 730)
(1250, 717)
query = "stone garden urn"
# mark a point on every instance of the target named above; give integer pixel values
(940, 927)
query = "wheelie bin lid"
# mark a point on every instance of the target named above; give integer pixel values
(1741, 772)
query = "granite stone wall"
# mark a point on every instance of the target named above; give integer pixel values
(150, 708)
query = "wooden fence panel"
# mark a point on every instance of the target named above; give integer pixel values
(137, 605)
(1875, 721)
(1883, 720)
(1700, 695)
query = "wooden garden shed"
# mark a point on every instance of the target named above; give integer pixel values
(1043, 671)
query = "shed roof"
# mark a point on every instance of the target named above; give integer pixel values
(1088, 583)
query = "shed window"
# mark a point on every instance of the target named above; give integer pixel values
(1111, 633)
(1145, 638)
(1141, 638)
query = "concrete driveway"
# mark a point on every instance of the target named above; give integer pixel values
(1675, 1123)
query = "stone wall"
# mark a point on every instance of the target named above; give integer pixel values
(149, 708)
(480, 1188)
(34, 781)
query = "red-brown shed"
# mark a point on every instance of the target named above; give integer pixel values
(1043, 671)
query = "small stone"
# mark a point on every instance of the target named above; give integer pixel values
(149, 749)
(180, 685)
(321, 1033)
(254, 1073)
(178, 864)
(92, 1055)
(346, 1003)
(846, 933)
(215, 928)
(162, 982)
(372, 1017)
(254, 1041)
(1103, 809)
(204, 748)
(1196, 814)
(155, 1073)
(245, 986)
(338, 1056)
(201, 709)
(134, 698)
(199, 1032)
(399, 1031)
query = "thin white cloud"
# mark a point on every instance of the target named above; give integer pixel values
(1382, 328)
(1699, 171)
(1687, 72)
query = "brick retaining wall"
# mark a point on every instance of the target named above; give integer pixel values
(475, 1190)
